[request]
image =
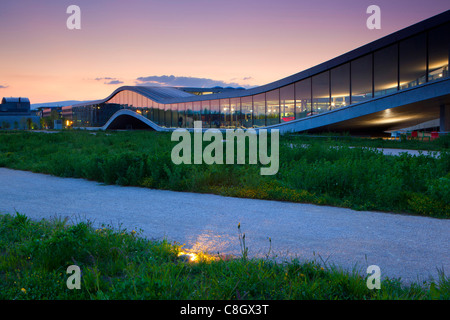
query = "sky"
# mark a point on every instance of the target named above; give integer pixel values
(200, 43)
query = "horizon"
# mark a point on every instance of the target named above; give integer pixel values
(196, 44)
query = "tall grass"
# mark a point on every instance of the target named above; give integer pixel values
(117, 264)
(312, 172)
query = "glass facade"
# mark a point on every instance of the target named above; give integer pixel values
(235, 107)
(247, 112)
(413, 61)
(385, 70)
(361, 79)
(438, 52)
(287, 103)
(216, 117)
(273, 107)
(206, 114)
(321, 92)
(226, 120)
(303, 98)
(406, 63)
(340, 86)
(259, 110)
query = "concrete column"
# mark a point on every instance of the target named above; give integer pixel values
(444, 118)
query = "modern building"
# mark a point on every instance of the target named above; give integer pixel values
(399, 81)
(15, 113)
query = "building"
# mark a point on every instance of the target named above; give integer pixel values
(15, 113)
(398, 81)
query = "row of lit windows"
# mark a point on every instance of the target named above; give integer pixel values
(405, 64)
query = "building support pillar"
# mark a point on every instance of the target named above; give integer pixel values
(444, 118)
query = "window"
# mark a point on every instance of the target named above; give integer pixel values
(361, 79)
(181, 115)
(206, 122)
(167, 115)
(197, 107)
(189, 115)
(287, 103)
(215, 114)
(235, 109)
(225, 113)
(247, 111)
(321, 92)
(438, 52)
(303, 98)
(175, 117)
(161, 114)
(413, 61)
(259, 110)
(340, 86)
(273, 107)
(385, 69)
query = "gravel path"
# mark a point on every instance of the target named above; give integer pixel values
(407, 247)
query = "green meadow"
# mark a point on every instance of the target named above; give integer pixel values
(118, 264)
(326, 170)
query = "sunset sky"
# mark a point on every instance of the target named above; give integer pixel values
(179, 42)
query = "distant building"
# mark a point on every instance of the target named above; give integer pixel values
(15, 113)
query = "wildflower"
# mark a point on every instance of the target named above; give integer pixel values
(23, 290)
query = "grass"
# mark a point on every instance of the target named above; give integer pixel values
(332, 139)
(310, 170)
(117, 264)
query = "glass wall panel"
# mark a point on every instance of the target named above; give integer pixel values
(151, 110)
(175, 117)
(206, 123)
(273, 107)
(340, 86)
(167, 115)
(117, 98)
(139, 101)
(133, 100)
(161, 107)
(225, 113)
(287, 103)
(156, 113)
(120, 98)
(259, 110)
(215, 118)
(146, 109)
(361, 78)
(247, 111)
(438, 52)
(189, 115)
(385, 69)
(123, 98)
(113, 99)
(413, 61)
(235, 106)
(321, 92)
(197, 108)
(181, 115)
(303, 98)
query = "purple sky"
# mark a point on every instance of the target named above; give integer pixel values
(245, 42)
